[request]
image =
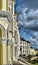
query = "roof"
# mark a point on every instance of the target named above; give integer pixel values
(24, 40)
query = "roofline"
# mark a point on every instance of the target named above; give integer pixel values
(34, 48)
(24, 40)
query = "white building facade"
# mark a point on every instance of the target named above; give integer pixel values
(17, 40)
(16, 34)
(9, 33)
(24, 47)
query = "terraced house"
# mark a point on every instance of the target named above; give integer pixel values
(24, 47)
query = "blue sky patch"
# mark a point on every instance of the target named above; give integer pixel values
(27, 12)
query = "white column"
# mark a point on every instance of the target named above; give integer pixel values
(13, 32)
(5, 5)
(10, 54)
(13, 49)
(13, 7)
(4, 51)
(18, 42)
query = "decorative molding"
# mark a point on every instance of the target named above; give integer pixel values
(6, 14)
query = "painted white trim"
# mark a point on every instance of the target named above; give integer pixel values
(6, 14)
(4, 19)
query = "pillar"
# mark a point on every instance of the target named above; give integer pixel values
(10, 45)
(1, 48)
(5, 47)
(13, 32)
(13, 39)
(4, 5)
(4, 53)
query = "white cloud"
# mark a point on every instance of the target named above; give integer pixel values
(29, 19)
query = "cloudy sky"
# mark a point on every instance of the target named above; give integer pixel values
(27, 11)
